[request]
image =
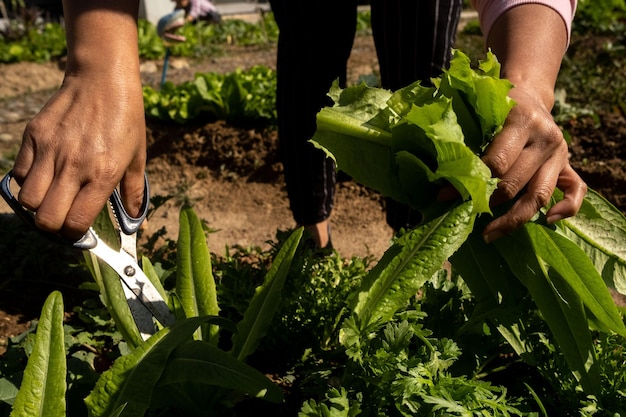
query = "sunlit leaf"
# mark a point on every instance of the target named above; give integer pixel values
(42, 392)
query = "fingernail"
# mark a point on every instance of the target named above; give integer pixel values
(554, 218)
(490, 237)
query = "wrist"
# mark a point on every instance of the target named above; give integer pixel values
(102, 38)
(541, 92)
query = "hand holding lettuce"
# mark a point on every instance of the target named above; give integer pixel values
(409, 143)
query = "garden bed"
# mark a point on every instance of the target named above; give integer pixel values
(233, 177)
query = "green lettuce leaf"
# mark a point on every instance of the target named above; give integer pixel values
(43, 388)
(409, 143)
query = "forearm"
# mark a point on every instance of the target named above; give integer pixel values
(90, 135)
(102, 39)
(530, 41)
(490, 10)
(529, 155)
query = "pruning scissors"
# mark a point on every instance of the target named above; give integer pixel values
(144, 300)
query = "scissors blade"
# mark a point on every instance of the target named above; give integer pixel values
(141, 315)
(129, 244)
(136, 281)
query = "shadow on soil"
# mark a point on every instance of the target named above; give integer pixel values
(31, 267)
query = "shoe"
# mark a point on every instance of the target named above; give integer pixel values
(309, 244)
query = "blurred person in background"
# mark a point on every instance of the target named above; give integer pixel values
(198, 11)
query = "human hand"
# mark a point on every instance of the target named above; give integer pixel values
(89, 138)
(530, 156)
(91, 135)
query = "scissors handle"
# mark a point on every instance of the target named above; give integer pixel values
(5, 189)
(127, 223)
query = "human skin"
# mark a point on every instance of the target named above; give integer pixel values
(91, 135)
(530, 155)
(181, 4)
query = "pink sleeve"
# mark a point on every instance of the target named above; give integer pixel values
(490, 10)
(200, 8)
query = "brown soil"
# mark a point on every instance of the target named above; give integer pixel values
(234, 178)
(231, 175)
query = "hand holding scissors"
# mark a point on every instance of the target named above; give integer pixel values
(143, 298)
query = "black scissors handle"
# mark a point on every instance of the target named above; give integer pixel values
(127, 223)
(5, 189)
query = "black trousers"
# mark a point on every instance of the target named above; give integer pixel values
(413, 39)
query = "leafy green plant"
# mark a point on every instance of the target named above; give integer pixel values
(439, 353)
(42, 392)
(38, 44)
(42, 43)
(406, 144)
(600, 16)
(403, 371)
(203, 39)
(31, 43)
(242, 96)
(165, 371)
(150, 45)
(327, 361)
(400, 367)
